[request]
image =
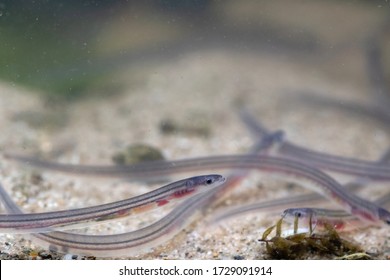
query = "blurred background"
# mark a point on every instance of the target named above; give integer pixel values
(65, 50)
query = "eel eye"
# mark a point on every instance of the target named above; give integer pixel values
(209, 181)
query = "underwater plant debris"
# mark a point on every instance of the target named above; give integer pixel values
(306, 245)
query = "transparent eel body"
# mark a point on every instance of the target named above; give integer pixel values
(135, 242)
(370, 169)
(124, 244)
(165, 228)
(138, 241)
(39, 222)
(278, 204)
(319, 181)
(318, 218)
(345, 165)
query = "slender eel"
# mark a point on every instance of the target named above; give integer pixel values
(152, 171)
(124, 244)
(369, 169)
(323, 183)
(137, 241)
(339, 219)
(132, 242)
(39, 222)
(47, 221)
(317, 218)
(277, 204)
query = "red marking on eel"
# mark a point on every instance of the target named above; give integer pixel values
(162, 202)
